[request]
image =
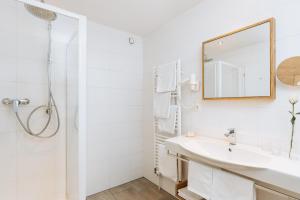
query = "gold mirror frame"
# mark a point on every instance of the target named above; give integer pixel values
(272, 96)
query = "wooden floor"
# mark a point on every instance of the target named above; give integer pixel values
(140, 189)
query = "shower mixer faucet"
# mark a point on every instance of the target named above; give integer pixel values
(15, 103)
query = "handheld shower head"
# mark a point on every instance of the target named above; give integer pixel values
(41, 13)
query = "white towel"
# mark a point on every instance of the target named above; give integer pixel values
(168, 125)
(162, 105)
(228, 186)
(166, 78)
(167, 164)
(200, 179)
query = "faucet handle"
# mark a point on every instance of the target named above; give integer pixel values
(231, 135)
(231, 130)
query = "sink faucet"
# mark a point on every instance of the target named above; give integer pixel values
(231, 135)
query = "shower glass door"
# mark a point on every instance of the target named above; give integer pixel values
(42, 84)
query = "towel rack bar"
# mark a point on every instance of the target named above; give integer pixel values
(177, 157)
(162, 137)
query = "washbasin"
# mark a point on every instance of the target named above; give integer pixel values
(222, 152)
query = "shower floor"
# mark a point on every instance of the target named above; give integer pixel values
(140, 189)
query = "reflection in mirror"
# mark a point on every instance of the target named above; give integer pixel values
(239, 64)
(288, 71)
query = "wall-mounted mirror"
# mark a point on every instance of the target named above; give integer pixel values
(240, 64)
(288, 71)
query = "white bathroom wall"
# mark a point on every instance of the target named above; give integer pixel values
(114, 108)
(8, 136)
(264, 123)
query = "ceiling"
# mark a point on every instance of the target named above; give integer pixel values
(136, 16)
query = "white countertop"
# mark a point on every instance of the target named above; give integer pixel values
(281, 172)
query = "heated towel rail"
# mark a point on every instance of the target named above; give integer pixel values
(160, 138)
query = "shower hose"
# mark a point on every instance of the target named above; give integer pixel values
(50, 108)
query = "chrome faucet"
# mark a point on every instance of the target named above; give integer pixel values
(15, 103)
(231, 136)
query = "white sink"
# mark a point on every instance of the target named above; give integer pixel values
(245, 160)
(221, 152)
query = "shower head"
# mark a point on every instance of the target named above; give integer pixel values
(41, 13)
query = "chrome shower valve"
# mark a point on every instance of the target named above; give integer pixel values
(8, 101)
(15, 103)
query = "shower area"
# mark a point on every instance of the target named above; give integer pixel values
(42, 108)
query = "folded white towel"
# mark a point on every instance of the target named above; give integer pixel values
(162, 103)
(167, 164)
(200, 179)
(168, 125)
(228, 186)
(166, 77)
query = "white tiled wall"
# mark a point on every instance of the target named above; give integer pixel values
(31, 168)
(114, 108)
